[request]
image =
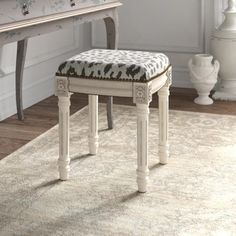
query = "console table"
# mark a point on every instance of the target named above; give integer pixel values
(22, 19)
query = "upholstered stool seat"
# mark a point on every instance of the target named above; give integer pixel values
(117, 65)
(135, 74)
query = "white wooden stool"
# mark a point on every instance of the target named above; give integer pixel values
(121, 73)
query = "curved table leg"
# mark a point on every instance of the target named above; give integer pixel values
(20, 63)
(112, 43)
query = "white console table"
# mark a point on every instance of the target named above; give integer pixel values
(22, 19)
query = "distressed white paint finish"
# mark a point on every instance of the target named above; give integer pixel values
(13, 11)
(39, 26)
(163, 101)
(64, 158)
(64, 126)
(93, 124)
(64, 136)
(142, 146)
(141, 94)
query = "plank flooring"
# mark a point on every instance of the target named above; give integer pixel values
(44, 115)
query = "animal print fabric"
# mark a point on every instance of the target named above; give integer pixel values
(115, 65)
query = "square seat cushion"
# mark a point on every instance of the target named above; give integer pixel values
(119, 65)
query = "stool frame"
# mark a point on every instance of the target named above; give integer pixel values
(142, 96)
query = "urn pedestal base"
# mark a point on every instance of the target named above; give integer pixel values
(203, 100)
(203, 93)
(218, 95)
(224, 51)
(223, 47)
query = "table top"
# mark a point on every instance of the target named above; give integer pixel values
(21, 13)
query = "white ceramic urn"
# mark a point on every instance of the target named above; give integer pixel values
(203, 74)
(223, 47)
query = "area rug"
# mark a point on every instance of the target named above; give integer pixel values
(195, 194)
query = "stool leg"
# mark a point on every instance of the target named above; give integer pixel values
(93, 124)
(64, 121)
(142, 146)
(163, 94)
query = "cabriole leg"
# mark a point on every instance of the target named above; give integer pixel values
(111, 24)
(93, 124)
(20, 63)
(163, 94)
(142, 146)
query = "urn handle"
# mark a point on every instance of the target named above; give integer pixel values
(216, 65)
(25, 9)
(215, 70)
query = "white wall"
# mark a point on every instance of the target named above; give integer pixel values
(44, 54)
(180, 28)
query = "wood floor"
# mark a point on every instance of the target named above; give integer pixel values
(44, 115)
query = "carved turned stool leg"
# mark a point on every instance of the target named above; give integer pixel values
(142, 146)
(64, 122)
(142, 97)
(93, 124)
(163, 94)
(64, 129)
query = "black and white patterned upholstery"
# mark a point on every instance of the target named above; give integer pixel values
(121, 65)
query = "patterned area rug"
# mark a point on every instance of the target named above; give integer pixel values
(195, 194)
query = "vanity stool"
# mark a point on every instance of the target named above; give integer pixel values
(121, 73)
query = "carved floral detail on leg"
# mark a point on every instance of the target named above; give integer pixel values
(142, 93)
(169, 77)
(62, 88)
